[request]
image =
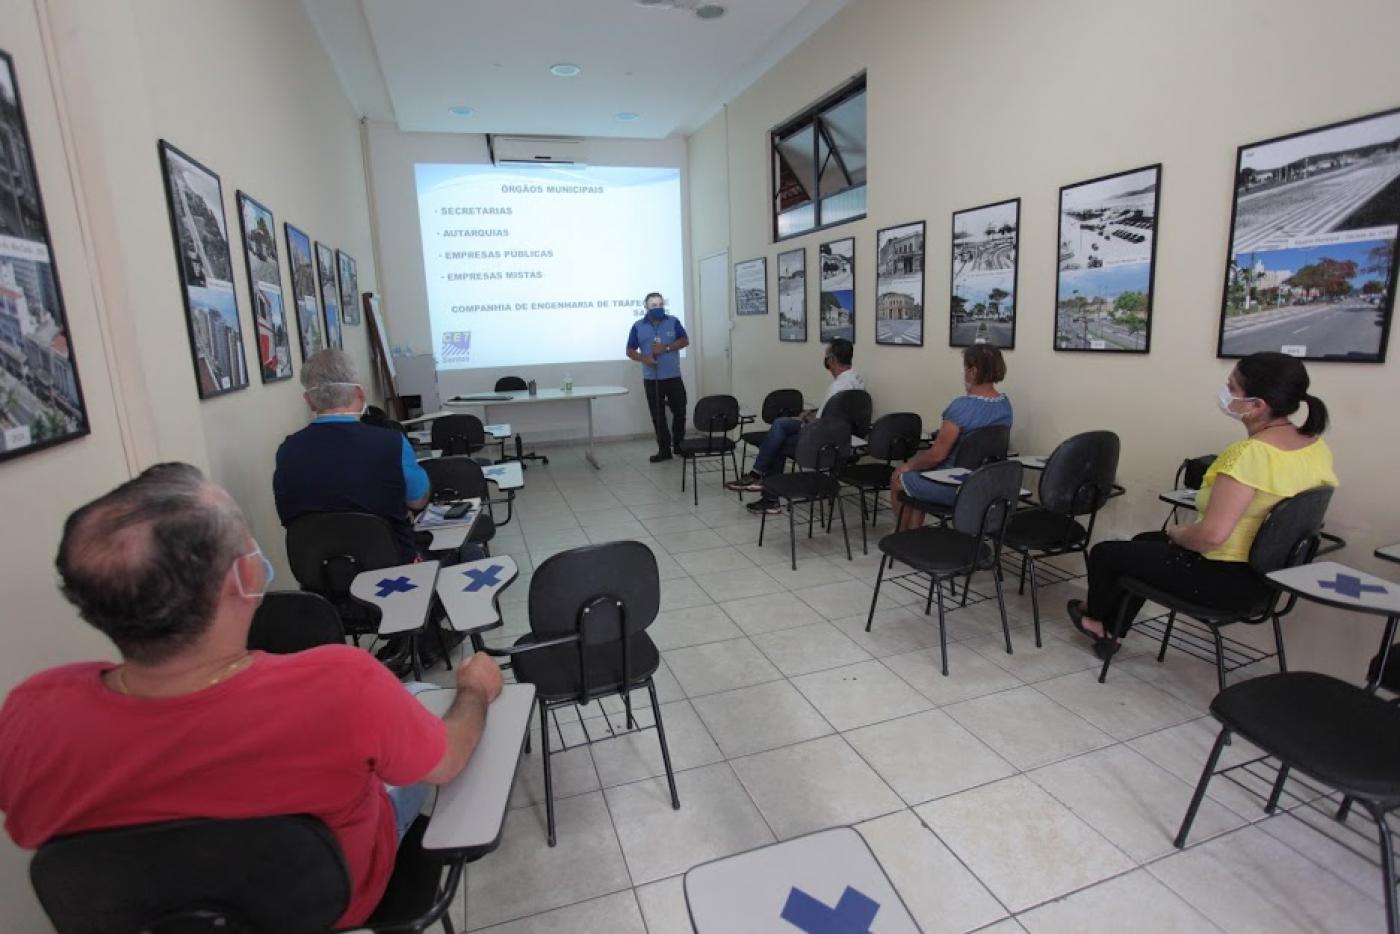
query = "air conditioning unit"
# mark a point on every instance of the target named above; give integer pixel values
(537, 150)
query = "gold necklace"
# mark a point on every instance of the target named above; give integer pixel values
(223, 673)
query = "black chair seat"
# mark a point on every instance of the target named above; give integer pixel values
(1038, 529)
(690, 447)
(1240, 604)
(1333, 731)
(753, 438)
(554, 671)
(869, 476)
(934, 549)
(804, 485)
(484, 530)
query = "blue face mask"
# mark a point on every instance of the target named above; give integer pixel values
(656, 314)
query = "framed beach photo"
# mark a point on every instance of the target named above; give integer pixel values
(1313, 249)
(1107, 261)
(792, 295)
(302, 267)
(265, 285)
(985, 260)
(899, 285)
(751, 287)
(837, 308)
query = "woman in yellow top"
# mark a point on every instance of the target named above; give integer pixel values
(1207, 561)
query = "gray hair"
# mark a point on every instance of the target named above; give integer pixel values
(144, 563)
(329, 379)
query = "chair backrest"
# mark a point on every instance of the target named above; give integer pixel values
(1288, 534)
(855, 406)
(716, 415)
(327, 549)
(1192, 472)
(458, 434)
(457, 477)
(986, 498)
(566, 583)
(290, 621)
(227, 876)
(824, 444)
(1079, 475)
(510, 384)
(782, 403)
(895, 437)
(982, 446)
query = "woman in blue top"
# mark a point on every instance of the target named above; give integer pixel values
(980, 407)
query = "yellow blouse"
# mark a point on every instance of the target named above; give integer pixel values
(1275, 475)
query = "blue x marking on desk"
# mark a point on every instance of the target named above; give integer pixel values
(1349, 585)
(487, 578)
(393, 585)
(494, 471)
(852, 914)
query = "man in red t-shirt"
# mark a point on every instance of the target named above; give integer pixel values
(192, 724)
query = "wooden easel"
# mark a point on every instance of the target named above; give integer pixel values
(381, 358)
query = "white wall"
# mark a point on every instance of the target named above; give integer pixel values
(975, 102)
(392, 155)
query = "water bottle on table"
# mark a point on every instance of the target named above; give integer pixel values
(568, 385)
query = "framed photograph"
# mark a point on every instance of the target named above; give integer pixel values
(265, 285)
(330, 298)
(1313, 256)
(792, 295)
(41, 400)
(196, 201)
(1108, 256)
(349, 287)
(838, 292)
(899, 285)
(308, 309)
(751, 287)
(982, 307)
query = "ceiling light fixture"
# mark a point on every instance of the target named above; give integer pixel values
(462, 110)
(565, 70)
(627, 116)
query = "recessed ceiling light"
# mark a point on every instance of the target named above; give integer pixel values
(462, 110)
(709, 10)
(564, 70)
(627, 116)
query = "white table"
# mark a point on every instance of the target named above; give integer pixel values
(858, 442)
(584, 394)
(1389, 552)
(1032, 461)
(954, 476)
(1179, 499)
(824, 882)
(507, 476)
(469, 591)
(402, 594)
(1334, 584)
(471, 809)
(452, 533)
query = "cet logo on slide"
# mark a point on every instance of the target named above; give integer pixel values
(456, 347)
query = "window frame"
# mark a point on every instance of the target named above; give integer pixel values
(813, 117)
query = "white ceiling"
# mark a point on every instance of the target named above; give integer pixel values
(409, 61)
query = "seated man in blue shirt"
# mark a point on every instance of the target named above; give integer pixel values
(655, 342)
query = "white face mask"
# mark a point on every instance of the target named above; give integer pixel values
(1224, 397)
(269, 572)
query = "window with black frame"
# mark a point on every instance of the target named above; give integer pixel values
(819, 164)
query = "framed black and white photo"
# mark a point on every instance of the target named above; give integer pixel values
(330, 297)
(41, 400)
(792, 295)
(751, 287)
(899, 285)
(349, 287)
(302, 267)
(265, 285)
(838, 290)
(1108, 252)
(982, 306)
(200, 230)
(1312, 265)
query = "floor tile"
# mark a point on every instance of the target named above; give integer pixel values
(1183, 750)
(716, 818)
(685, 522)
(712, 561)
(1124, 903)
(856, 695)
(663, 906)
(892, 632)
(1027, 728)
(1022, 844)
(770, 612)
(1055, 657)
(1123, 706)
(969, 674)
(682, 592)
(678, 542)
(732, 585)
(811, 572)
(808, 648)
(612, 914)
(927, 756)
(637, 755)
(696, 625)
(720, 666)
(761, 717)
(814, 785)
(572, 772)
(841, 599)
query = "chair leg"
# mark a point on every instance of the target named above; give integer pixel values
(1025, 559)
(1028, 562)
(942, 628)
(811, 514)
(792, 531)
(548, 777)
(864, 544)
(1200, 792)
(665, 750)
(1120, 629)
(442, 646)
(879, 576)
(1272, 804)
(1219, 656)
(1166, 636)
(1392, 917)
(1278, 641)
(683, 475)
(845, 534)
(694, 478)
(627, 708)
(1001, 605)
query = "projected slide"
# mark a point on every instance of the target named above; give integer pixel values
(537, 265)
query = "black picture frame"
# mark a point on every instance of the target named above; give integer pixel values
(836, 305)
(1107, 260)
(204, 260)
(301, 269)
(792, 302)
(329, 281)
(748, 298)
(978, 297)
(899, 284)
(348, 277)
(1326, 256)
(274, 343)
(29, 280)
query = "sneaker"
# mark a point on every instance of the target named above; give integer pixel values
(770, 506)
(660, 456)
(753, 483)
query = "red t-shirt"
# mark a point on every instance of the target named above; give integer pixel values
(320, 732)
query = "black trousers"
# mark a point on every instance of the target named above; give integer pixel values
(669, 393)
(1155, 561)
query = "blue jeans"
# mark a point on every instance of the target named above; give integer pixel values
(408, 800)
(779, 444)
(922, 488)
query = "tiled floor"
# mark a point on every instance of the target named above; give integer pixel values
(1017, 794)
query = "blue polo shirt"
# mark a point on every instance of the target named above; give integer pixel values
(669, 329)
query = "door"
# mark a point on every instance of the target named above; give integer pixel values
(714, 325)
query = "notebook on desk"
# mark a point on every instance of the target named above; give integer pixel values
(434, 517)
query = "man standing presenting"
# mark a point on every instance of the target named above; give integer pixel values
(655, 342)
